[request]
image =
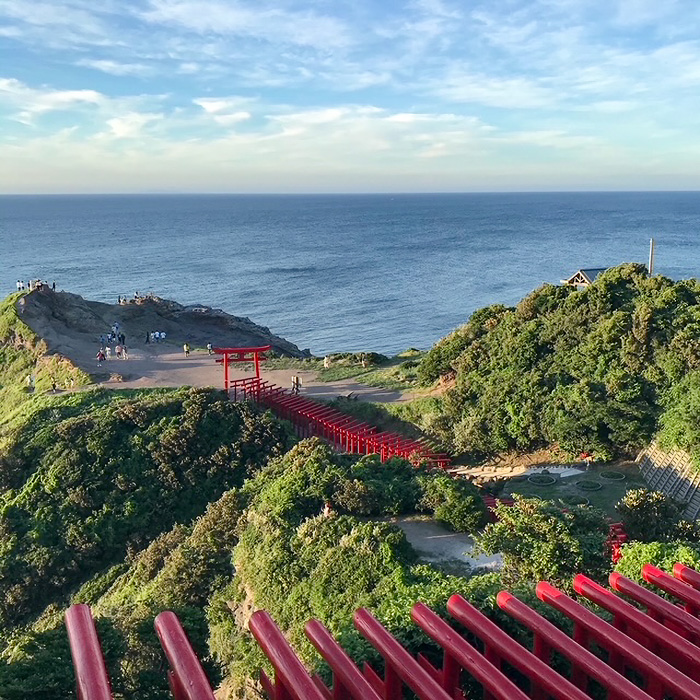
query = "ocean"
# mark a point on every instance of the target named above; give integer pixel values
(341, 272)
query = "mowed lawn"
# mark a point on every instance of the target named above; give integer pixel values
(605, 498)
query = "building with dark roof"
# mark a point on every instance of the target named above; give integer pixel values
(583, 278)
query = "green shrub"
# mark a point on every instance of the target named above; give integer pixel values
(456, 502)
(662, 555)
(648, 516)
(89, 487)
(541, 542)
(590, 370)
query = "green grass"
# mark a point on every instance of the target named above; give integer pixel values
(604, 499)
(411, 418)
(395, 373)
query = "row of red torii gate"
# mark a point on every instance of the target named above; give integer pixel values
(310, 417)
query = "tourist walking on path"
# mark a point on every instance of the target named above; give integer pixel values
(186, 349)
(108, 352)
(209, 349)
(100, 357)
(125, 354)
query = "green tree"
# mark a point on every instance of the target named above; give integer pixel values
(456, 502)
(541, 542)
(648, 516)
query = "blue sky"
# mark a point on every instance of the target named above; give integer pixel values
(357, 96)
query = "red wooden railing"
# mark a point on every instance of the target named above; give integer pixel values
(659, 646)
(186, 677)
(91, 676)
(344, 432)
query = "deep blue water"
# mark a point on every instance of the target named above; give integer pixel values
(341, 272)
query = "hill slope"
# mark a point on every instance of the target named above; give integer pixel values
(590, 370)
(69, 324)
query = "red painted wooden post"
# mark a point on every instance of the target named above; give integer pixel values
(467, 656)
(292, 681)
(226, 375)
(669, 615)
(349, 683)
(91, 676)
(673, 648)
(188, 676)
(661, 677)
(676, 588)
(400, 665)
(618, 687)
(534, 668)
(687, 575)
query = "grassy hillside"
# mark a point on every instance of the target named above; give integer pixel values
(589, 370)
(23, 354)
(287, 558)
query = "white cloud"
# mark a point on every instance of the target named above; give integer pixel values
(225, 111)
(511, 93)
(130, 125)
(219, 105)
(304, 28)
(31, 102)
(115, 67)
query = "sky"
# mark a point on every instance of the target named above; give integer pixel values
(248, 96)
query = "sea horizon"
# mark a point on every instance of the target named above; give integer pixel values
(341, 272)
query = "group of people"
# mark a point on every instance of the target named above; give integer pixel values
(114, 337)
(137, 298)
(34, 284)
(156, 337)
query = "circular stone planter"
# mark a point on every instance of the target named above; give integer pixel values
(587, 485)
(541, 479)
(612, 476)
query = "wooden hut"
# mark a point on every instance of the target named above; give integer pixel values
(582, 278)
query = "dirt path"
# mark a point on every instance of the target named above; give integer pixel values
(162, 365)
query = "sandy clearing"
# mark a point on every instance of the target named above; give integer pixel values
(436, 544)
(162, 365)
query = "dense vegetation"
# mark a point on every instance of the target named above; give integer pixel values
(88, 480)
(541, 542)
(141, 501)
(591, 370)
(105, 516)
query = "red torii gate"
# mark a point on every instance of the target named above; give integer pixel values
(254, 355)
(659, 643)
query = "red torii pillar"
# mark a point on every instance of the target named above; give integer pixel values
(254, 355)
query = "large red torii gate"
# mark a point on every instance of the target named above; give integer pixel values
(253, 355)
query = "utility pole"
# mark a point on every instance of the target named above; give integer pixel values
(651, 257)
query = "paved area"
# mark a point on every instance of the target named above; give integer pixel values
(436, 544)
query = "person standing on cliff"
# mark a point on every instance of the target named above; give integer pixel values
(186, 349)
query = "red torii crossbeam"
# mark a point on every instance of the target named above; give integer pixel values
(253, 355)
